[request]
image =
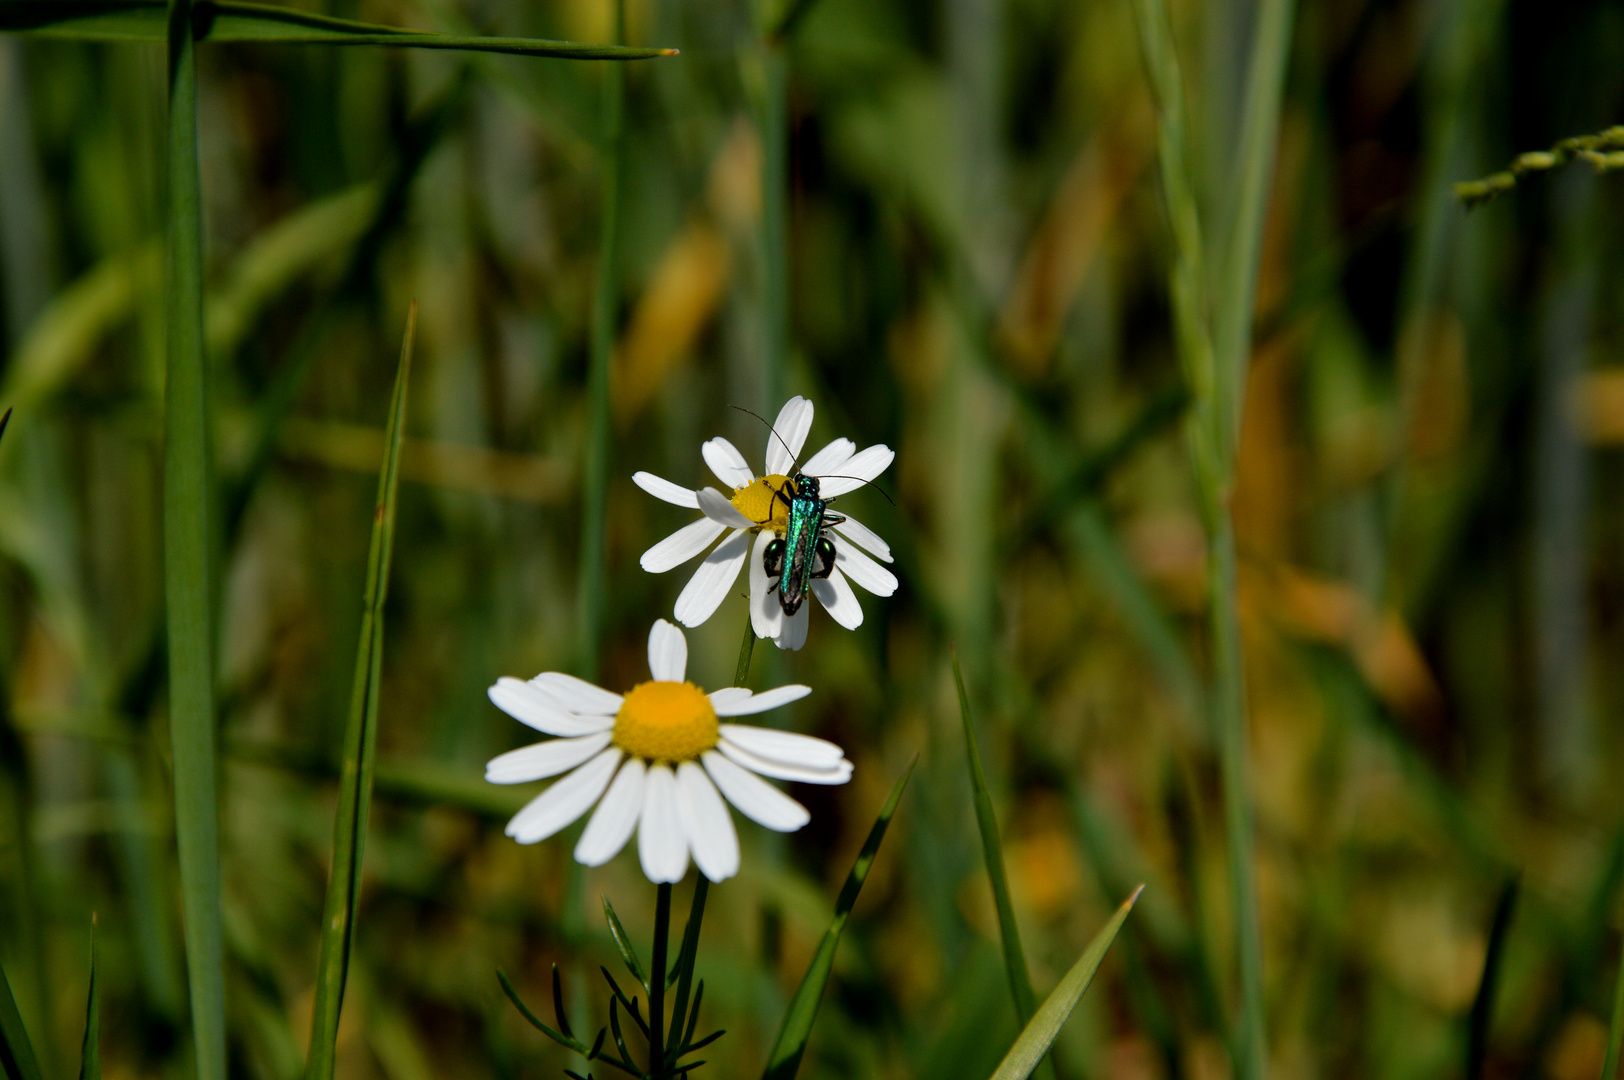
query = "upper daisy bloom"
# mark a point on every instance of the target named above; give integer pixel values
(660, 752)
(825, 556)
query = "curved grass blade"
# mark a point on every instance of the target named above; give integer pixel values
(16, 1052)
(992, 850)
(1615, 1031)
(188, 536)
(1477, 1032)
(784, 1059)
(90, 1052)
(1034, 1040)
(228, 21)
(360, 747)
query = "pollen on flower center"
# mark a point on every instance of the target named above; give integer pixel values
(666, 721)
(758, 500)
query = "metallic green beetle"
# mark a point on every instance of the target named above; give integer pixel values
(803, 552)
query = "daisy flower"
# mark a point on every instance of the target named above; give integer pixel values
(657, 756)
(754, 507)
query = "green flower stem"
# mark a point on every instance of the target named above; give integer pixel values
(747, 649)
(1615, 1032)
(187, 554)
(656, 982)
(595, 478)
(775, 223)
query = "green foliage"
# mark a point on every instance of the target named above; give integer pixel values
(18, 1051)
(784, 1059)
(1039, 1034)
(359, 763)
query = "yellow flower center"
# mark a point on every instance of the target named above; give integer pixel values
(666, 721)
(758, 500)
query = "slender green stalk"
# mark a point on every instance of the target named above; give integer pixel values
(606, 293)
(992, 851)
(90, 1050)
(656, 984)
(360, 747)
(687, 954)
(1037, 1036)
(187, 555)
(1477, 1028)
(1615, 1031)
(747, 649)
(784, 1059)
(16, 1050)
(1214, 346)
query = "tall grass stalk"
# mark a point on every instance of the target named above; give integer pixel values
(774, 221)
(605, 305)
(1615, 1031)
(1215, 347)
(360, 747)
(187, 554)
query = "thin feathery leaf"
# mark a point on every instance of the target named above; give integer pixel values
(1034, 1040)
(628, 953)
(784, 1059)
(360, 745)
(537, 1023)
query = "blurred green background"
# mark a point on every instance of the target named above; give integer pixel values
(1427, 515)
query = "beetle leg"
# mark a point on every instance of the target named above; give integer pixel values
(825, 558)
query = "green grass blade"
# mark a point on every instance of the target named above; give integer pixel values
(188, 537)
(90, 1052)
(784, 1059)
(227, 22)
(747, 649)
(992, 850)
(1615, 1031)
(628, 953)
(1034, 1040)
(590, 585)
(1477, 1029)
(360, 747)
(16, 1052)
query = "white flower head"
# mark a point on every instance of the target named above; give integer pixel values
(758, 504)
(657, 757)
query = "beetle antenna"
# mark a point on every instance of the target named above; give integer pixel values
(794, 457)
(866, 483)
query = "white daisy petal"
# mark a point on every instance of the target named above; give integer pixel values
(532, 706)
(756, 703)
(661, 846)
(708, 825)
(708, 587)
(577, 695)
(543, 759)
(667, 652)
(727, 463)
(681, 546)
(612, 824)
(858, 470)
(838, 773)
(564, 801)
(864, 570)
(729, 695)
(785, 746)
(755, 798)
(793, 633)
(661, 488)
(863, 537)
(766, 616)
(834, 593)
(830, 458)
(793, 423)
(720, 509)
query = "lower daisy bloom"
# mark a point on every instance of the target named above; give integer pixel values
(657, 761)
(755, 505)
